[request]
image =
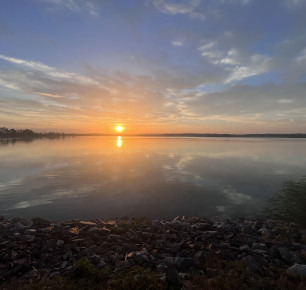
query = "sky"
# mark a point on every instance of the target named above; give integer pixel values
(153, 66)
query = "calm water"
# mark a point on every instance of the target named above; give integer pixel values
(91, 177)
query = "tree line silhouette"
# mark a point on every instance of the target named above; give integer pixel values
(27, 133)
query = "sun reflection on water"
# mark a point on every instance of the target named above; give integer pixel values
(119, 142)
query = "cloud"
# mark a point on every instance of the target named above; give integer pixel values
(48, 70)
(75, 5)
(177, 43)
(294, 3)
(238, 64)
(186, 7)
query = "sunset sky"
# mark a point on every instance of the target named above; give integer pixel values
(153, 66)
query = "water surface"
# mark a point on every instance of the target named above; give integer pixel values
(92, 177)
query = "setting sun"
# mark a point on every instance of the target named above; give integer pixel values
(119, 129)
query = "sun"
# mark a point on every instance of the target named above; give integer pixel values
(119, 129)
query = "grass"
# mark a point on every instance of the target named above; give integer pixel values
(88, 277)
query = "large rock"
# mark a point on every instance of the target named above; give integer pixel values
(289, 256)
(297, 270)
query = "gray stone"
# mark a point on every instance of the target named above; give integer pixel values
(60, 243)
(86, 253)
(250, 262)
(170, 237)
(244, 248)
(18, 226)
(28, 238)
(30, 231)
(55, 274)
(247, 229)
(208, 234)
(64, 265)
(289, 256)
(297, 270)
(174, 248)
(259, 246)
(202, 226)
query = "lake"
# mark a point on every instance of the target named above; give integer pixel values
(101, 177)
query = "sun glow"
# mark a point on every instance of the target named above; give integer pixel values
(119, 129)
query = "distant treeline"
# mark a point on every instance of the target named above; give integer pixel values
(26, 133)
(29, 134)
(294, 135)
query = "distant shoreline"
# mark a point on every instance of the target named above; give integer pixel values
(295, 135)
(63, 135)
(6, 133)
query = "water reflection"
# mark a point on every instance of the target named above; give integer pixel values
(5, 142)
(119, 142)
(154, 177)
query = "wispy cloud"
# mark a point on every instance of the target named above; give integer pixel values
(186, 7)
(177, 42)
(75, 5)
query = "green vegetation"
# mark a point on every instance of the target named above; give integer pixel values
(137, 278)
(233, 275)
(88, 277)
(289, 203)
(86, 270)
(218, 275)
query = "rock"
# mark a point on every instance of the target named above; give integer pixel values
(250, 262)
(64, 265)
(74, 231)
(202, 226)
(174, 248)
(208, 234)
(170, 237)
(40, 223)
(123, 265)
(60, 243)
(160, 267)
(1, 218)
(18, 226)
(183, 254)
(28, 238)
(55, 274)
(172, 275)
(289, 256)
(199, 258)
(244, 248)
(93, 229)
(247, 228)
(182, 276)
(274, 252)
(180, 263)
(259, 246)
(86, 253)
(87, 223)
(297, 270)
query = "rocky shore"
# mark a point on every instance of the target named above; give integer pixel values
(183, 253)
